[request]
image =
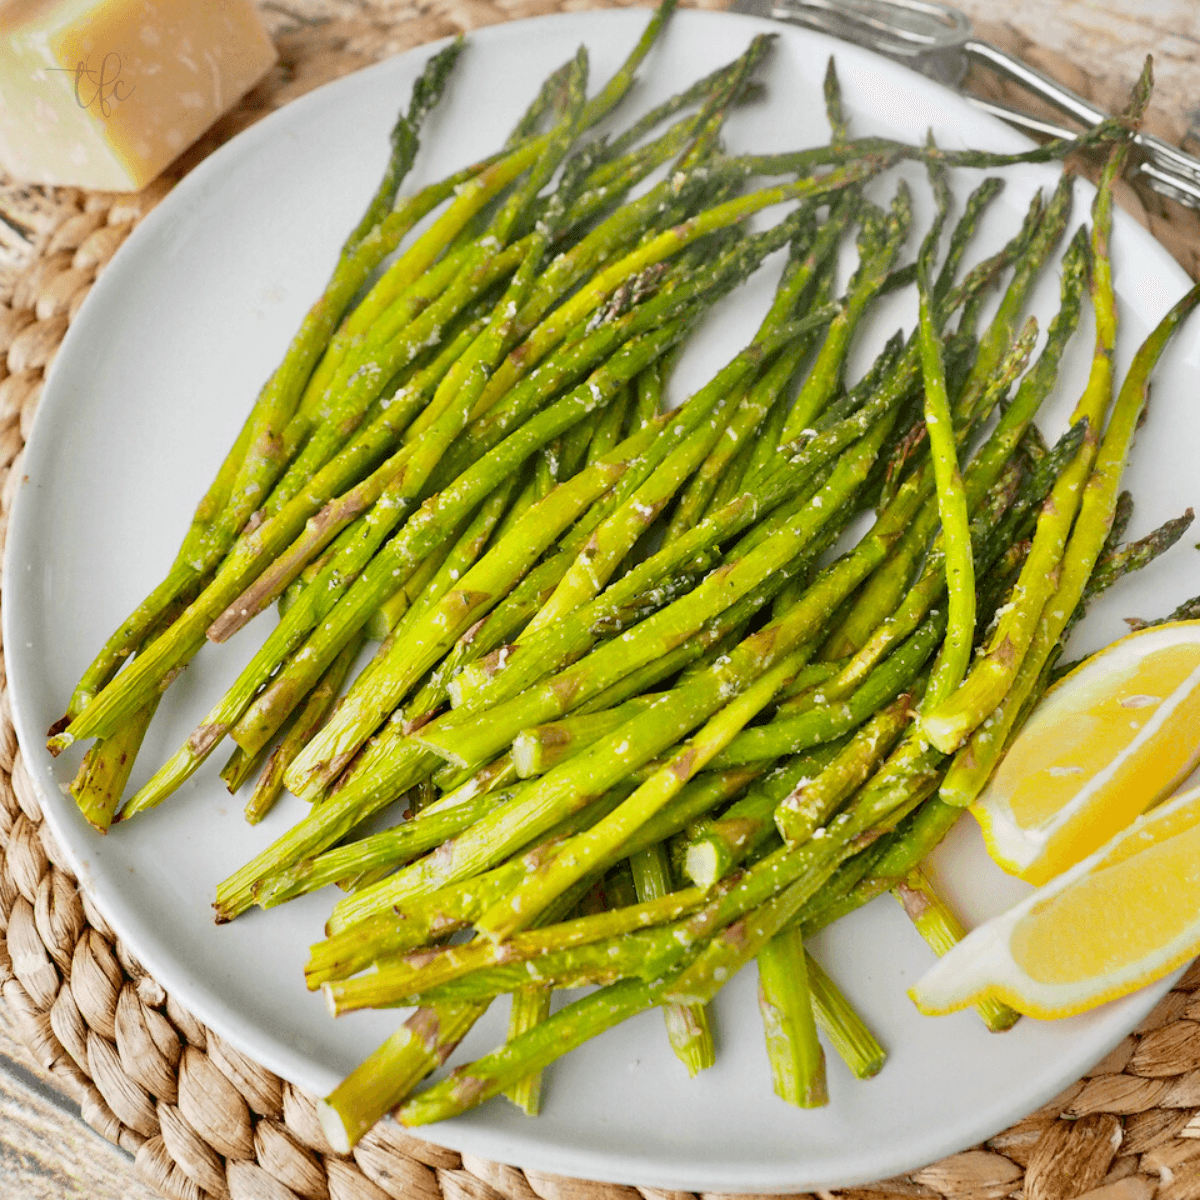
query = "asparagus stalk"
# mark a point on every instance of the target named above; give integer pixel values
(789, 734)
(388, 1075)
(769, 659)
(396, 982)
(855, 1044)
(809, 805)
(1042, 239)
(536, 750)
(879, 244)
(954, 656)
(950, 721)
(1189, 610)
(718, 845)
(942, 930)
(388, 848)
(99, 784)
(1110, 566)
(974, 763)
(982, 473)
(449, 568)
(530, 1008)
(881, 867)
(688, 1028)
(533, 1051)
(249, 463)
(307, 721)
(981, 392)
(796, 1058)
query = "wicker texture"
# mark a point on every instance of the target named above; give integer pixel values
(203, 1120)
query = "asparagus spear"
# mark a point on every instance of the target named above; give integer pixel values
(954, 657)
(585, 1018)
(975, 762)
(307, 720)
(941, 929)
(769, 658)
(536, 750)
(387, 1076)
(879, 244)
(473, 738)
(717, 845)
(396, 981)
(948, 723)
(688, 1028)
(982, 391)
(530, 1007)
(788, 734)
(982, 473)
(844, 1028)
(1118, 561)
(796, 1058)
(810, 804)
(250, 461)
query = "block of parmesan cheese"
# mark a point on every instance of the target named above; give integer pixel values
(103, 94)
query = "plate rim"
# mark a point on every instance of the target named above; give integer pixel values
(190, 188)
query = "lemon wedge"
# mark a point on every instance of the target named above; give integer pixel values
(1123, 917)
(1112, 737)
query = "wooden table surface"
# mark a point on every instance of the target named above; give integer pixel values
(46, 1151)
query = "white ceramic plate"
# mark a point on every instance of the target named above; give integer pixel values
(150, 387)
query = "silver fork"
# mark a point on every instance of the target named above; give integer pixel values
(939, 41)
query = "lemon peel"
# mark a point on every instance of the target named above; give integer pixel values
(1123, 917)
(1111, 738)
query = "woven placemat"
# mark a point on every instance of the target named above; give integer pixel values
(200, 1118)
